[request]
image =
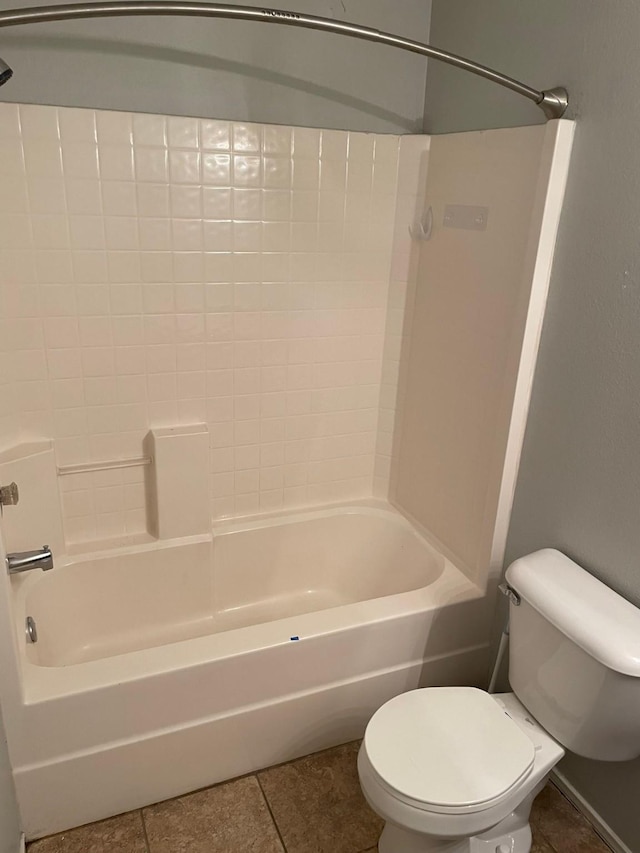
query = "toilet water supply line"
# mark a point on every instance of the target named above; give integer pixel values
(502, 647)
(515, 601)
(553, 102)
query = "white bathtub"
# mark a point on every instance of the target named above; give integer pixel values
(166, 667)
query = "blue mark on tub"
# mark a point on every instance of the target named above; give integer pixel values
(294, 639)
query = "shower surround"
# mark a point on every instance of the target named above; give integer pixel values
(158, 271)
(334, 411)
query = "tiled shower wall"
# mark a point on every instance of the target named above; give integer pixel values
(159, 271)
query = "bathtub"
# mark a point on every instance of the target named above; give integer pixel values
(169, 666)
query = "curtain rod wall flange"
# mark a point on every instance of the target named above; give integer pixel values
(553, 102)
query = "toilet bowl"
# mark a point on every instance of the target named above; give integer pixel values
(454, 769)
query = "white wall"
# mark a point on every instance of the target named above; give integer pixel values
(580, 474)
(472, 296)
(9, 818)
(229, 69)
(412, 184)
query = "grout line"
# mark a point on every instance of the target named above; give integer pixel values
(228, 782)
(144, 830)
(268, 805)
(210, 787)
(547, 842)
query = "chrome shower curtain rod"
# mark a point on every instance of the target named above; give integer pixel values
(553, 102)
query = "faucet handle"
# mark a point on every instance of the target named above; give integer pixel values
(9, 495)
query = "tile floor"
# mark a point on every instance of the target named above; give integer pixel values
(311, 805)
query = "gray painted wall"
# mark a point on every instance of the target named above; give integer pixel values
(579, 483)
(228, 69)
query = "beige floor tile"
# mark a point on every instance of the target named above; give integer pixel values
(122, 834)
(230, 818)
(562, 826)
(318, 806)
(540, 845)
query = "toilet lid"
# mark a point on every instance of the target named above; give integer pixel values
(447, 748)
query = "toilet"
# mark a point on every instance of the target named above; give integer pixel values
(456, 769)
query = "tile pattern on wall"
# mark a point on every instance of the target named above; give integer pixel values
(159, 271)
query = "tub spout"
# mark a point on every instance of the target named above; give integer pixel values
(23, 561)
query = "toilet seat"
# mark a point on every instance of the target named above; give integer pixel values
(448, 750)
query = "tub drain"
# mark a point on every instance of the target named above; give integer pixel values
(32, 631)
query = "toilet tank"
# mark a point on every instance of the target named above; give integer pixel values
(574, 656)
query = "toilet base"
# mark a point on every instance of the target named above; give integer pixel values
(511, 835)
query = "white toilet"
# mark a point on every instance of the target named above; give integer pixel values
(455, 769)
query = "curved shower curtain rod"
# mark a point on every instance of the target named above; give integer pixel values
(552, 102)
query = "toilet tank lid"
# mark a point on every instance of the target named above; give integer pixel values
(596, 618)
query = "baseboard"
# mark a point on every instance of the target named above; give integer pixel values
(601, 826)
